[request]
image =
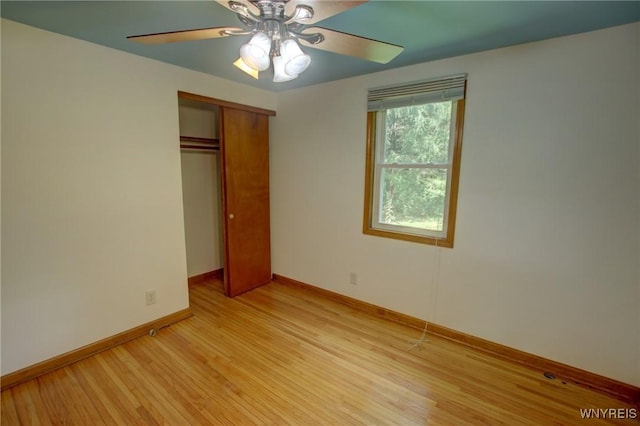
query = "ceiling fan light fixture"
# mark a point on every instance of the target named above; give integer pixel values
(255, 54)
(246, 68)
(279, 74)
(295, 60)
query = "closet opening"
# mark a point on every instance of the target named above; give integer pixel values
(225, 172)
(201, 191)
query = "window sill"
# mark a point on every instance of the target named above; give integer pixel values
(439, 242)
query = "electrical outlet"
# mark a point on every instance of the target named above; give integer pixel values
(150, 297)
(353, 278)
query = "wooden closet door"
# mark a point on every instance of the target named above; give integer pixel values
(244, 149)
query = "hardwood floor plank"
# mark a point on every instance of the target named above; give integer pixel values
(28, 411)
(98, 393)
(280, 355)
(8, 409)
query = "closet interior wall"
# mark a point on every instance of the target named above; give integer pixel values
(201, 192)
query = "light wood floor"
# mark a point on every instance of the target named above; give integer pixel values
(279, 355)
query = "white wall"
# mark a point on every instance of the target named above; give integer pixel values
(201, 192)
(202, 211)
(547, 248)
(0, 200)
(197, 119)
(91, 190)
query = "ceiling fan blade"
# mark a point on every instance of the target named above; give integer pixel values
(352, 45)
(322, 9)
(186, 35)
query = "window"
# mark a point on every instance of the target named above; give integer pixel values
(414, 138)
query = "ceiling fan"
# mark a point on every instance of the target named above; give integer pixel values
(276, 27)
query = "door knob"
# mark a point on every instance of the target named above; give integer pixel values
(231, 216)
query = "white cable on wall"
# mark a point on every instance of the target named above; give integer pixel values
(432, 295)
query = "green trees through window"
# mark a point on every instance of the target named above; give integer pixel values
(414, 166)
